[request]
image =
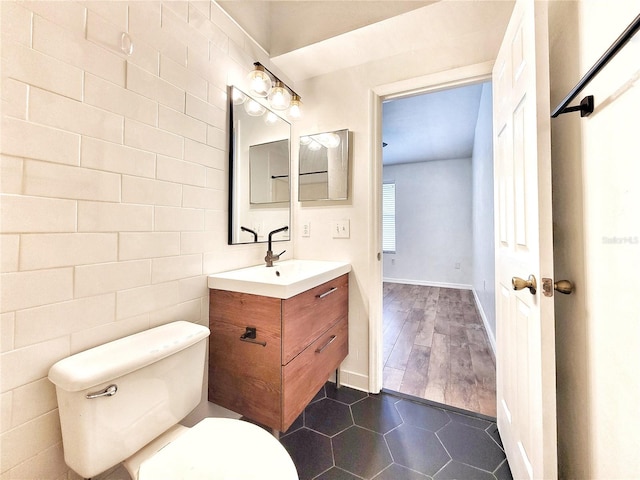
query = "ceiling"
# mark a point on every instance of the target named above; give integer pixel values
(295, 24)
(432, 126)
(308, 38)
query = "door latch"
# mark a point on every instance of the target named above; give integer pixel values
(562, 286)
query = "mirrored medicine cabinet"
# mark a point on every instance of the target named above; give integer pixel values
(259, 171)
(324, 166)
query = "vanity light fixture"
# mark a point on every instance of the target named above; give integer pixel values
(253, 108)
(238, 97)
(259, 81)
(270, 118)
(314, 146)
(316, 142)
(294, 109)
(328, 140)
(263, 83)
(279, 97)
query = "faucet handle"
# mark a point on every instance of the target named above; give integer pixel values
(278, 255)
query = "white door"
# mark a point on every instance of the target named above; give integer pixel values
(526, 377)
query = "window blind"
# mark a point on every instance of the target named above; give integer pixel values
(389, 217)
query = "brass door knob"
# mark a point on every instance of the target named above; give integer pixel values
(518, 284)
(563, 286)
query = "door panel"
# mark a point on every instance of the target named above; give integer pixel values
(525, 320)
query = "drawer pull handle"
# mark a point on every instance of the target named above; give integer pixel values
(328, 292)
(331, 340)
(250, 336)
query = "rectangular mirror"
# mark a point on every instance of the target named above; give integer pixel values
(259, 169)
(324, 166)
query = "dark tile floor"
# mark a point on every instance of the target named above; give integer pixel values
(345, 434)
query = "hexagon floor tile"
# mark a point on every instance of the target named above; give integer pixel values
(361, 452)
(328, 416)
(345, 434)
(469, 445)
(377, 413)
(417, 449)
(310, 451)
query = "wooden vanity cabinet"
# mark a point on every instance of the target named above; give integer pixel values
(299, 342)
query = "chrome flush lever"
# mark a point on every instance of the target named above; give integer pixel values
(110, 391)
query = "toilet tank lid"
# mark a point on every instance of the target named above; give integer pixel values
(120, 357)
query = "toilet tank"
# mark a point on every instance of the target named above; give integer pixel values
(158, 375)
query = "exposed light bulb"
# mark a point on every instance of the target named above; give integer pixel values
(270, 118)
(294, 110)
(238, 97)
(329, 140)
(279, 97)
(259, 82)
(306, 140)
(314, 145)
(253, 108)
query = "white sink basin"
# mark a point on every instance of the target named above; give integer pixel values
(284, 280)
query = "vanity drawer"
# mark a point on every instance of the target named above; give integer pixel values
(243, 376)
(305, 375)
(310, 313)
(245, 310)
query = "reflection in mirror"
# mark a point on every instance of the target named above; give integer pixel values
(259, 165)
(324, 166)
(269, 172)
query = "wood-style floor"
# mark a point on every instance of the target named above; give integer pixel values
(436, 347)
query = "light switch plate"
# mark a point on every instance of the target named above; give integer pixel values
(340, 229)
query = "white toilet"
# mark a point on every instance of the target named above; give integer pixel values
(122, 401)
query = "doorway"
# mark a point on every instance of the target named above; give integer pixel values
(437, 316)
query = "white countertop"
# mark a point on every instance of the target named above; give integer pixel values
(284, 280)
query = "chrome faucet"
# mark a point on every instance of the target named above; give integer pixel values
(270, 257)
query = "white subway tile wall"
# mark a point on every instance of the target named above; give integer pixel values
(114, 191)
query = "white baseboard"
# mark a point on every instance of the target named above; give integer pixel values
(490, 334)
(459, 286)
(357, 381)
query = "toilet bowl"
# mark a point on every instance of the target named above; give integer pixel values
(221, 449)
(122, 401)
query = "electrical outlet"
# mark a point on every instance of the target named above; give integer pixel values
(306, 229)
(340, 229)
(457, 266)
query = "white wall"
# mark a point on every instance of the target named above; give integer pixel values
(483, 246)
(342, 100)
(114, 182)
(596, 194)
(433, 223)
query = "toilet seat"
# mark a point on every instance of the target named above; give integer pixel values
(221, 449)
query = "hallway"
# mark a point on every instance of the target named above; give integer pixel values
(436, 347)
